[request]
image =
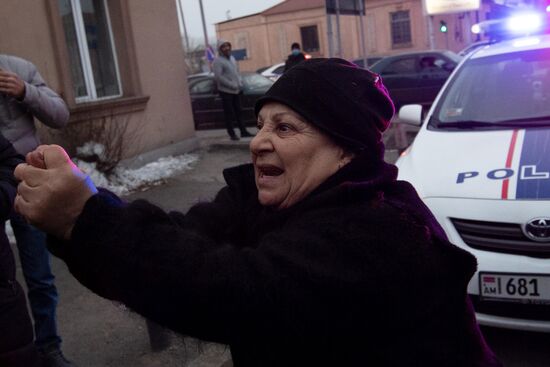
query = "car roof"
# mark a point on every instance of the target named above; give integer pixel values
(387, 59)
(513, 45)
(195, 78)
(472, 46)
(275, 66)
(204, 73)
(211, 75)
(414, 53)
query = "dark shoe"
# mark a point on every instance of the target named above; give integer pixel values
(246, 134)
(234, 137)
(54, 358)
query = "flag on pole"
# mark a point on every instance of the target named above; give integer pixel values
(209, 53)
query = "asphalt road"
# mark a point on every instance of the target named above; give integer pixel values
(99, 333)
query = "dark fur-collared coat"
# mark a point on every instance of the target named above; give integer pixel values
(356, 274)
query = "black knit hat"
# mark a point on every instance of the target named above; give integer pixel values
(347, 102)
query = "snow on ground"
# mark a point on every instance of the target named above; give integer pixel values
(124, 180)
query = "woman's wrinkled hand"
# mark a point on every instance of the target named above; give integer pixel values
(52, 191)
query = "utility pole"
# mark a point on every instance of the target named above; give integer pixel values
(362, 33)
(206, 44)
(431, 37)
(330, 35)
(338, 38)
(186, 38)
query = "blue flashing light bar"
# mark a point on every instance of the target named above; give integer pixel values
(521, 24)
(525, 23)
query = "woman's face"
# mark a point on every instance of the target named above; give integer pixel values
(291, 157)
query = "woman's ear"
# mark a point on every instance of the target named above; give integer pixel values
(345, 157)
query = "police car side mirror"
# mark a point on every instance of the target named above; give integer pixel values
(410, 114)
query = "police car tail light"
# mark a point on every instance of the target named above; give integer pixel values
(524, 23)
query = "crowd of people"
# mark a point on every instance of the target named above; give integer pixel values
(313, 254)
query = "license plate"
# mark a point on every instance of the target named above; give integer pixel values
(524, 288)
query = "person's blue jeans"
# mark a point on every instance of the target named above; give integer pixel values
(35, 263)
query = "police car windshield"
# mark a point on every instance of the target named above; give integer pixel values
(503, 91)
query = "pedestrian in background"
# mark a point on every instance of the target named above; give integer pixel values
(228, 80)
(17, 348)
(23, 96)
(313, 255)
(296, 56)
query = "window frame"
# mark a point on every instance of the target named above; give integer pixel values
(84, 55)
(315, 51)
(393, 30)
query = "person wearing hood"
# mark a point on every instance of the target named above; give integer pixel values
(296, 56)
(312, 255)
(228, 80)
(24, 96)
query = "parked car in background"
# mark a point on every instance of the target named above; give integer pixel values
(192, 77)
(370, 61)
(480, 162)
(207, 104)
(273, 72)
(416, 77)
(262, 69)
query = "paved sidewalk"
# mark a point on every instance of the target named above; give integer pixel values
(98, 332)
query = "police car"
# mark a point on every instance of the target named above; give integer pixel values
(481, 163)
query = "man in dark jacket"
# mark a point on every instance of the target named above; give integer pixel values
(23, 96)
(296, 56)
(16, 339)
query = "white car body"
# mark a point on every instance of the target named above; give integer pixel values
(274, 71)
(485, 185)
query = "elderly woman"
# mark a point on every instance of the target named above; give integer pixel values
(313, 255)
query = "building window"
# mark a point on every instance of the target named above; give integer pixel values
(400, 29)
(91, 49)
(310, 38)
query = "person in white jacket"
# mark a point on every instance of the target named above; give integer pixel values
(228, 80)
(24, 95)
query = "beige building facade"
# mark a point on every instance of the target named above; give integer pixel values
(389, 27)
(118, 60)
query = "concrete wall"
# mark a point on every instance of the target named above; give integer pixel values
(270, 36)
(168, 117)
(155, 97)
(284, 29)
(25, 32)
(254, 31)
